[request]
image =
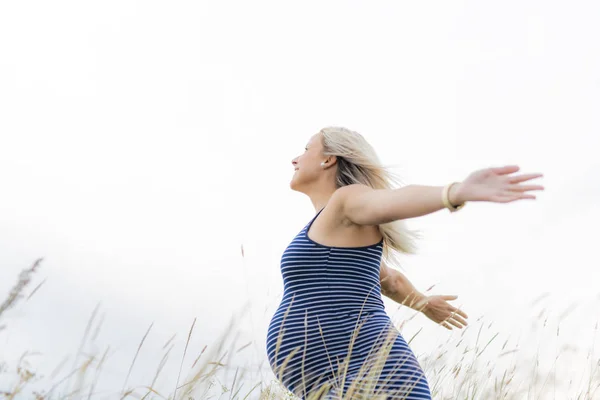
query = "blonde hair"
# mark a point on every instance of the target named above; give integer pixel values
(358, 163)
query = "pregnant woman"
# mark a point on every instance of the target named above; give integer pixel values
(331, 338)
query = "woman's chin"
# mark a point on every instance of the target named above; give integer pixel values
(293, 184)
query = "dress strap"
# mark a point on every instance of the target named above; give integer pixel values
(313, 219)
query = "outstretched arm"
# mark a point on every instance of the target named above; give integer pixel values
(363, 205)
(397, 287)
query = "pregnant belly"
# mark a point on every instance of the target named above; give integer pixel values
(305, 350)
(305, 332)
(301, 341)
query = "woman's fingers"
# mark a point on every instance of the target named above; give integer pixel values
(455, 309)
(524, 177)
(456, 324)
(525, 188)
(507, 198)
(446, 314)
(523, 196)
(460, 312)
(450, 321)
(455, 316)
(460, 319)
(507, 169)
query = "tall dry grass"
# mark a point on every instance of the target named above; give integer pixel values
(459, 368)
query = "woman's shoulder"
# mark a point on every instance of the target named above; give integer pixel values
(341, 196)
(344, 192)
(339, 200)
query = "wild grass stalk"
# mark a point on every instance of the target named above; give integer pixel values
(459, 368)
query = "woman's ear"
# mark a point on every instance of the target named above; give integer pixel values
(330, 161)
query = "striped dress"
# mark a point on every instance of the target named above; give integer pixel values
(331, 331)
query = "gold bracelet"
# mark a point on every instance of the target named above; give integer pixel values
(446, 199)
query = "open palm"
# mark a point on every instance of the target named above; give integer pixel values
(437, 309)
(498, 185)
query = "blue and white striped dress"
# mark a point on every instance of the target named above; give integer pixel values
(331, 325)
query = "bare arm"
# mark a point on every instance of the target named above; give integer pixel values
(397, 287)
(366, 206)
(362, 205)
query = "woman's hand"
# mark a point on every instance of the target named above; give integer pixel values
(495, 185)
(437, 309)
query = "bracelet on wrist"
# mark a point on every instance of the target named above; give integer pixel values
(446, 198)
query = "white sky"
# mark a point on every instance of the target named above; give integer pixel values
(142, 143)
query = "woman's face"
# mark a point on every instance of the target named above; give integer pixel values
(307, 166)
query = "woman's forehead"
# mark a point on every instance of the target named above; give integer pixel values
(314, 139)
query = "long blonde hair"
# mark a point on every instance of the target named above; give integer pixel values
(358, 163)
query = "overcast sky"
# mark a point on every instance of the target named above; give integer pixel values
(143, 143)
